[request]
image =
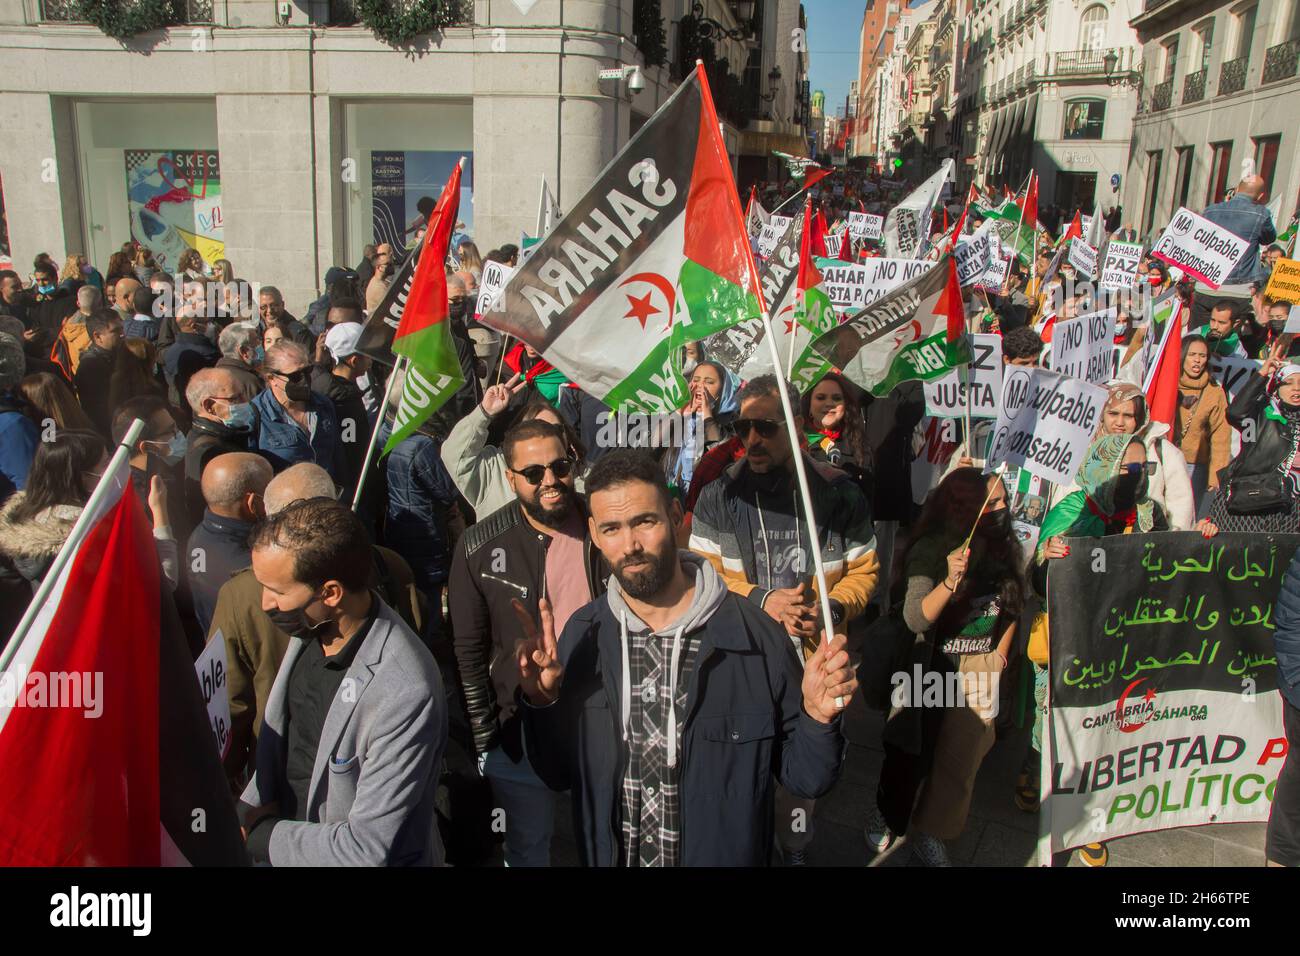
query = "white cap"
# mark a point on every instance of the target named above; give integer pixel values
(341, 339)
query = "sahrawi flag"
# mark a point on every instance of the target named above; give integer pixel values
(916, 332)
(907, 225)
(652, 257)
(802, 170)
(756, 216)
(104, 734)
(433, 374)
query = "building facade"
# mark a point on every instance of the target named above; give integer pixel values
(1050, 86)
(285, 137)
(1220, 88)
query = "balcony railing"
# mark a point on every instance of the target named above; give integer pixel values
(69, 11)
(1161, 94)
(1080, 61)
(1194, 86)
(1232, 76)
(1280, 61)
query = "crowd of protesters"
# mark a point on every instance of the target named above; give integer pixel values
(506, 607)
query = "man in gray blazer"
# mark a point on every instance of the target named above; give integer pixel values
(356, 723)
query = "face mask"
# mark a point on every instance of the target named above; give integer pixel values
(1277, 327)
(1155, 280)
(1121, 328)
(240, 418)
(295, 622)
(45, 289)
(1127, 489)
(297, 391)
(259, 355)
(994, 523)
(175, 449)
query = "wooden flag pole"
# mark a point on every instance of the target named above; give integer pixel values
(399, 368)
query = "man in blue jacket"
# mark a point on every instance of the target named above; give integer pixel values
(295, 424)
(1282, 844)
(668, 767)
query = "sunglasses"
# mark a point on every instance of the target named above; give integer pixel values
(1139, 468)
(302, 376)
(534, 474)
(766, 427)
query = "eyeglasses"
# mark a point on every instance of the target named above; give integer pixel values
(1139, 468)
(766, 427)
(534, 474)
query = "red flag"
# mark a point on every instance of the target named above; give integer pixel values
(945, 218)
(1029, 207)
(846, 247)
(951, 305)
(819, 235)
(814, 175)
(960, 224)
(1075, 230)
(117, 759)
(1162, 398)
(426, 305)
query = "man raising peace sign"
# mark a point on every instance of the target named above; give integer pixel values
(670, 706)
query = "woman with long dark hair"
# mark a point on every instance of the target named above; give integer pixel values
(964, 595)
(833, 422)
(50, 400)
(119, 267)
(35, 522)
(1201, 430)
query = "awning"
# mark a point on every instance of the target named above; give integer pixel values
(1017, 113)
(1031, 114)
(1000, 137)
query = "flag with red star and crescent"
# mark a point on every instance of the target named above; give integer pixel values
(654, 256)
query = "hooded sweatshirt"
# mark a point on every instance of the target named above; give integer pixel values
(655, 669)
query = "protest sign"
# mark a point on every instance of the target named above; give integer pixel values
(1284, 283)
(1293, 320)
(995, 277)
(1200, 248)
(1045, 423)
(1081, 348)
(781, 222)
(769, 237)
(1120, 265)
(212, 674)
(834, 244)
(1163, 670)
(1083, 257)
(982, 380)
(495, 276)
(1085, 223)
(863, 225)
(852, 287)
(1232, 372)
(975, 254)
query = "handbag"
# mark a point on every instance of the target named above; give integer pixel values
(1038, 649)
(1256, 494)
(886, 650)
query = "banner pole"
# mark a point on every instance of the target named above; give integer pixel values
(398, 368)
(78, 534)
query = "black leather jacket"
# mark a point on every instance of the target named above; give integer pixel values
(500, 559)
(1272, 437)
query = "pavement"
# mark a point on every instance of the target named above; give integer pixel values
(997, 833)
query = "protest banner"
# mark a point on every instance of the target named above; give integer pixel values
(769, 237)
(1163, 712)
(1083, 257)
(996, 275)
(834, 242)
(982, 381)
(852, 286)
(976, 254)
(1082, 347)
(1120, 265)
(1045, 423)
(781, 222)
(211, 671)
(495, 276)
(863, 225)
(1284, 283)
(1199, 247)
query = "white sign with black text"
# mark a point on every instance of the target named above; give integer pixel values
(980, 382)
(1201, 249)
(863, 225)
(1045, 423)
(1119, 267)
(214, 684)
(1082, 347)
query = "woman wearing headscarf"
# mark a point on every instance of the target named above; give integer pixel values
(1126, 413)
(706, 420)
(1112, 498)
(1259, 490)
(1201, 430)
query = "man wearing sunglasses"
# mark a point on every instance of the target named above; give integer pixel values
(751, 526)
(296, 424)
(537, 546)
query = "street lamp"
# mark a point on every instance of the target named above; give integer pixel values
(773, 81)
(1110, 61)
(710, 29)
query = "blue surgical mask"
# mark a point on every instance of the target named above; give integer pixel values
(45, 289)
(259, 355)
(240, 417)
(175, 449)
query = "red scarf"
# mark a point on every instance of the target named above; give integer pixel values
(515, 358)
(833, 434)
(1129, 517)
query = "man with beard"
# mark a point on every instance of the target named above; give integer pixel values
(751, 526)
(671, 707)
(535, 547)
(1221, 332)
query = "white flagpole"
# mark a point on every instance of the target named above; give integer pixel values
(398, 369)
(75, 537)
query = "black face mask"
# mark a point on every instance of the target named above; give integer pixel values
(1127, 490)
(1277, 327)
(295, 622)
(993, 524)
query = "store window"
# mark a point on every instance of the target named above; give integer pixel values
(402, 152)
(1084, 119)
(1183, 180)
(150, 171)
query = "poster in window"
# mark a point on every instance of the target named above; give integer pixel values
(174, 200)
(398, 180)
(1084, 119)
